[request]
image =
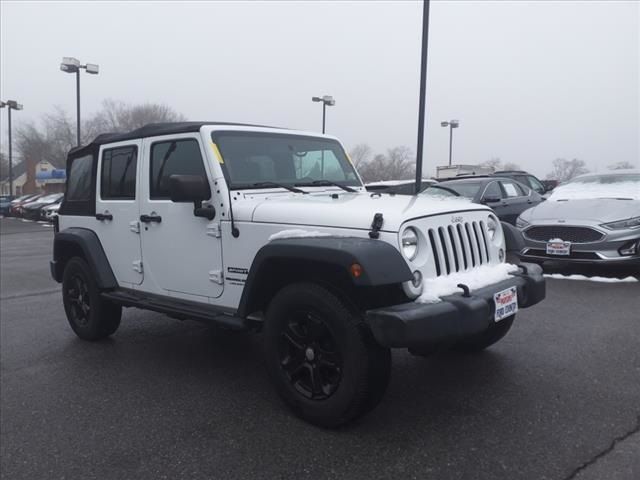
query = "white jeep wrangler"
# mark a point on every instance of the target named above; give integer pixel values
(258, 228)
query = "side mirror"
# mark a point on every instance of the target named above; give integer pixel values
(192, 188)
(491, 199)
(188, 188)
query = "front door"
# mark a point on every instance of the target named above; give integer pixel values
(117, 192)
(182, 253)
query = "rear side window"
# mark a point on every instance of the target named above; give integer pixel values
(118, 173)
(512, 190)
(79, 181)
(174, 157)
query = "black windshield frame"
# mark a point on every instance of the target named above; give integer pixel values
(334, 146)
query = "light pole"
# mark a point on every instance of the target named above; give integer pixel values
(11, 105)
(326, 100)
(451, 124)
(72, 65)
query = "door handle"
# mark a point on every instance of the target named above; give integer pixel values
(150, 218)
(104, 216)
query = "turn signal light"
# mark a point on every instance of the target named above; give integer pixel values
(356, 270)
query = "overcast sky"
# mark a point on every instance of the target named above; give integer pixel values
(529, 81)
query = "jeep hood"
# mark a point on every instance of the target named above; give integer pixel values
(345, 211)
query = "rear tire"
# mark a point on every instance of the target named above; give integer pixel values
(321, 356)
(90, 317)
(487, 338)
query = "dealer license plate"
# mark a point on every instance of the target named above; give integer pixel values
(506, 303)
(558, 248)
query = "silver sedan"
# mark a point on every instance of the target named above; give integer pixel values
(595, 218)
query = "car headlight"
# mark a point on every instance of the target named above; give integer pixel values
(621, 224)
(520, 223)
(409, 242)
(492, 227)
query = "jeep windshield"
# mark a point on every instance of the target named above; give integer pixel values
(252, 160)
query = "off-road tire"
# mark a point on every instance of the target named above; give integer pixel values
(487, 338)
(90, 317)
(364, 369)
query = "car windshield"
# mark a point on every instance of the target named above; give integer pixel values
(618, 186)
(440, 191)
(260, 160)
(464, 189)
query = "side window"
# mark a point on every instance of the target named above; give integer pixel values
(493, 190)
(118, 173)
(79, 181)
(173, 157)
(511, 189)
(536, 185)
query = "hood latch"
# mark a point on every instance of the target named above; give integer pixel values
(376, 225)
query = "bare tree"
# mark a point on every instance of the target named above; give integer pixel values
(4, 165)
(511, 166)
(359, 154)
(496, 164)
(53, 137)
(621, 166)
(564, 170)
(397, 164)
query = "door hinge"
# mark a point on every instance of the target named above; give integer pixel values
(137, 266)
(134, 226)
(216, 276)
(214, 230)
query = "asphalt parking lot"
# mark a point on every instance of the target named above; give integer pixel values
(558, 398)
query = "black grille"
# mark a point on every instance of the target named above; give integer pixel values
(572, 255)
(459, 248)
(568, 234)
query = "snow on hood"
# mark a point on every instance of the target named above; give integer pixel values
(589, 190)
(348, 210)
(599, 210)
(435, 288)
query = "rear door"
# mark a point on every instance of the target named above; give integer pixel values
(182, 253)
(117, 212)
(514, 200)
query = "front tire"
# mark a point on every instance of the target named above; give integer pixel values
(90, 317)
(321, 357)
(487, 338)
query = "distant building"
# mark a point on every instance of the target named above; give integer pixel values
(42, 177)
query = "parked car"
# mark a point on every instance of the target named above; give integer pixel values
(594, 218)
(507, 197)
(32, 210)
(5, 203)
(50, 212)
(15, 209)
(401, 187)
(525, 178)
(274, 231)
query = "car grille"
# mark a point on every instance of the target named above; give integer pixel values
(568, 234)
(459, 247)
(572, 255)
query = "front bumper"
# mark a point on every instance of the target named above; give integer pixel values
(415, 325)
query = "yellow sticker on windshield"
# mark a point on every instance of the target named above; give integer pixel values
(216, 152)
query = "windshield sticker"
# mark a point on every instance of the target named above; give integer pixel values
(216, 152)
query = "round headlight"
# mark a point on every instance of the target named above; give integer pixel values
(410, 243)
(492, 227)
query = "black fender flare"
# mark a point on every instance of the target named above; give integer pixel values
(514, 241)
(382, 264)
(85, 240)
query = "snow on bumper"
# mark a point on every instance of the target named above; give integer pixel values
(456, 316)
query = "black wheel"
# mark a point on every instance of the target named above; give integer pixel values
(90, 317)
(487, 338)
(321, 357)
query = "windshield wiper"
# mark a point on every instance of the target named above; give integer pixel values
(280, 185)
(327, 183)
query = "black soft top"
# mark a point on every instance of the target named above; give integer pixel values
(152, 130)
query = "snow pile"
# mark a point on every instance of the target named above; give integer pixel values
(434, 288)
(559, 276)
(299, 233)
(589, 190)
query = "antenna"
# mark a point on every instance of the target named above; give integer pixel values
(423, 88)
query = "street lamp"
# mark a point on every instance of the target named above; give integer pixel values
(326, 100)
(11, 105)
(451, 124)
(72, 65)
